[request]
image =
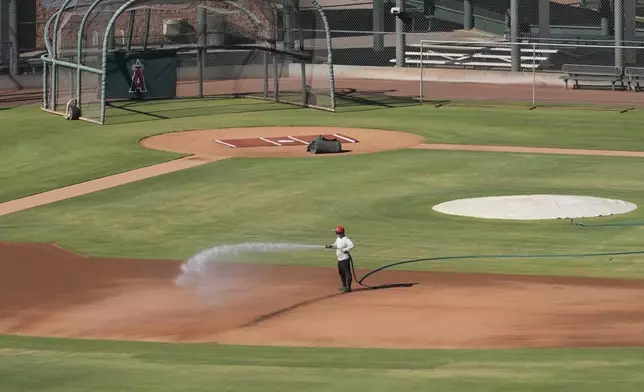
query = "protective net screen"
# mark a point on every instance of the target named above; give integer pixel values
(65, 87)
(90, 95)
(303, 32)
(257, 49)
(266, 49)
(236, 73)
(47, 87)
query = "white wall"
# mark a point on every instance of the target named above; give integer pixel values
(434, 75)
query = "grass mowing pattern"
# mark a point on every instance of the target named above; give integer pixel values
(81, 365)
(385, 203)
(40, 151)
(182, 212)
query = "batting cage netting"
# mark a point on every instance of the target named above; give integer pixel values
(105, 54)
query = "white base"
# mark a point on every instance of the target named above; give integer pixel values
(535, 207)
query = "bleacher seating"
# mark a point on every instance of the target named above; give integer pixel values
(474, 56)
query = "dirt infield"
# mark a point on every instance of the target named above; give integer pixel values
(371, 89)
(204, 142)
(439, 91)
(282, 141)
(19, 97)
(47, 291)
(547, 95)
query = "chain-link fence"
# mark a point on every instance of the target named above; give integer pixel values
(8, 58)
(500, 46)
(378, 38)
(208, 48)
(364, 32)
(552, 75)
(367, 32)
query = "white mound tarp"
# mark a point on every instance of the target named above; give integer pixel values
(535, 207)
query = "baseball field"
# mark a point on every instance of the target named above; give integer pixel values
(96, 223)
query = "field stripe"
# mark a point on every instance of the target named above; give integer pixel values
(345, 138)
(298, 140)
(270, 141)
(225, 144)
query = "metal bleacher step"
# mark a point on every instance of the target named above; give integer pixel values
(469, 55)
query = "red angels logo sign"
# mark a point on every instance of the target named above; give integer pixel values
(138, 80)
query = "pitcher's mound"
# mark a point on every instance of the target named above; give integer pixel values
(278, 141)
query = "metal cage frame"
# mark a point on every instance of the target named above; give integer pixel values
(52, 57)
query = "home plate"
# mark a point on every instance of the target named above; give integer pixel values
(286, 141)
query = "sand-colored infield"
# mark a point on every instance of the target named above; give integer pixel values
(535, 207)
(205, 142)
(52, 292)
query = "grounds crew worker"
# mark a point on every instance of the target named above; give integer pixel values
(343, 245)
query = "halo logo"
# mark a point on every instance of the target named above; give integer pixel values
(138, 79)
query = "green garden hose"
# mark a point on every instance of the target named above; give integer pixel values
(506, 256)
(614, 224)
(491, 256)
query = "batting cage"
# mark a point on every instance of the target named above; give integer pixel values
(155, 55)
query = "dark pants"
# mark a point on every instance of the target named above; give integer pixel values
(344, 268)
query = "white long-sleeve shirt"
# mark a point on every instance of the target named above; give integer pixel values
(342, 245)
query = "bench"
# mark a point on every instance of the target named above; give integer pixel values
(592, 73)
(633, 76)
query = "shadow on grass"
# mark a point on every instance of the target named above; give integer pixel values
(125, 112)
(351, 99)
(526, 105)
(347, 100)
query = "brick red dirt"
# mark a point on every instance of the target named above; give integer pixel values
(492, 92)
(479, 93)
(202, 142)
(18, 97)
(48, 291)
(433, 91)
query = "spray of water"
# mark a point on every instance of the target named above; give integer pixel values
(201, 269)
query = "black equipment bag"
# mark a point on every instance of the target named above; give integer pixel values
(321, 145)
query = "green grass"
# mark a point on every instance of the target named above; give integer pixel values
(32, 364)
(40, 151)
(136, 112)
(383, 199)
